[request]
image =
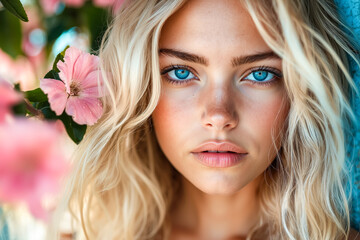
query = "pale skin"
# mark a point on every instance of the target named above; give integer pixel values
(216, 47)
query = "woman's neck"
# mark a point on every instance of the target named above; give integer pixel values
(206, 216)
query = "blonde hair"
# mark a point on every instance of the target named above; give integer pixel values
(122, 186)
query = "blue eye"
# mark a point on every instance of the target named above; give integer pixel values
(260, 76)
(180, 74)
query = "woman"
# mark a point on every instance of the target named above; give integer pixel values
(223, 120)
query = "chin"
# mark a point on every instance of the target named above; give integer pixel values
(223, 192)
(219, 187)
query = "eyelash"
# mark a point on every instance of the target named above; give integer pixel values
(277, 74)
(175, 67)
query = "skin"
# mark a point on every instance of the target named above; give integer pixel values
(221, 103)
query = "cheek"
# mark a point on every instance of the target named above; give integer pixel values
(172, 120)
(263, 116)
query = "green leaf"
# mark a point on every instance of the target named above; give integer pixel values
(36, 95)
(59, 57)
(16, 8)
(10, 34)
(75, 131)
(48, 113)
(40, 105)
(52, 75)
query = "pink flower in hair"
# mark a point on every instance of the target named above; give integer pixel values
(8, 98)
(78, 93)
(31, 163)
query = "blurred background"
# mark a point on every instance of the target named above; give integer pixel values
(27, 52)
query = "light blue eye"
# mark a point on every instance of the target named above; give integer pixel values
(260, 76)
(180, 74)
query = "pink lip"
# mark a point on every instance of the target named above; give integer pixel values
(229, 154)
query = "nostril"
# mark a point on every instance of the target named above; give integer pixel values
(219, 118)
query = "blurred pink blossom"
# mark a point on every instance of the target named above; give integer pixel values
(19, 70)
(103, 3)
(50, 6)
(8, 98)
(78, 92)
(31, 163)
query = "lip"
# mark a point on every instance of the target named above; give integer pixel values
(228, 155)
(222, 146)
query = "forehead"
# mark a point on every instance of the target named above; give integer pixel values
(214, 24)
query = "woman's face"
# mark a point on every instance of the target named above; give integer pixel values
(222, 92)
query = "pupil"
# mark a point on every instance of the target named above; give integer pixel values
(182, 73)
(260, 75)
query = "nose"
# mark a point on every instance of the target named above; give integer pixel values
(219, 112)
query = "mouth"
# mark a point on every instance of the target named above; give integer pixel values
(219, 151)
(219, 154)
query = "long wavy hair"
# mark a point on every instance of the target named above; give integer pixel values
(122, 186)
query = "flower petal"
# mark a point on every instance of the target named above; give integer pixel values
(37, 210)
(50, 6)
(85, 65)
(8, 96)
(68, 67)
(84, 110)
(90, 86)
(56, 92)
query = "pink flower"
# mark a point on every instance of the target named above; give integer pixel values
(78, 92)
(74, 3)
(31, 163)
(19, 71)
(50, 6)
(8, 98)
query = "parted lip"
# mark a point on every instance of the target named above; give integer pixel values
(220, 146)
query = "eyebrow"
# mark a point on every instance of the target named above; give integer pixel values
(236, 61)
(254, 58)
(184, 56)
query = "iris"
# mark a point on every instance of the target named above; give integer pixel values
(182, 73)
(260, 75)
